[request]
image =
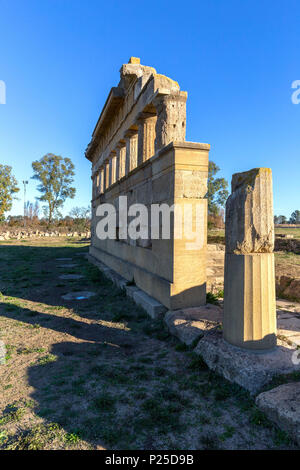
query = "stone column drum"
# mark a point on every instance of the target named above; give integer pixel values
(131, 138)
(146, 136)
(249, 287)
(171, 119)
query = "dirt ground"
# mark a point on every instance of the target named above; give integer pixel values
(99, 373)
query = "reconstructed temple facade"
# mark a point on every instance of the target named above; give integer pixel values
(138, 150)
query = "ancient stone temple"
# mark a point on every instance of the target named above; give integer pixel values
(138, 150)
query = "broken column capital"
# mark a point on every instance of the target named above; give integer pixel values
(249, 213)
(171, 118)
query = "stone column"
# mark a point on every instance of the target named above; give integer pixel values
(93, 178)
(146, 136)
(101, 180)
(249, 289)
(112, 167)
(131, 138)
(120, 160)
(106, 175)
(171, 119)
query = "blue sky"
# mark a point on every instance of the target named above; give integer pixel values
(236, 59)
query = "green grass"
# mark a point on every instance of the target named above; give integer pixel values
(288, 231)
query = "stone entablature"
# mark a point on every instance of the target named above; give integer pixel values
(144, 113)
(138, 150)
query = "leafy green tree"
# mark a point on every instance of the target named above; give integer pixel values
(280, 219)
(8, 187)
(295, 217)
(217, 192)
(55, 176)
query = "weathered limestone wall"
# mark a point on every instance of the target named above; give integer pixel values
(138, 150)
(249, 288)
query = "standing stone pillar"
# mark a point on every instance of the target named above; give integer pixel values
(112, 167)
(131, 138)
(120, 160)
(106, 174)
(101, 180)
(98, 182)
(146, 136)
(249, 288)
(171, 119)
(94, 185)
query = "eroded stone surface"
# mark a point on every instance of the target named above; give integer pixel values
(250, 370)
(282, 406)
(249, 213)
(190, 324)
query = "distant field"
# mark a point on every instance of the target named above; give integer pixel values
(288, 230)
(218, 236)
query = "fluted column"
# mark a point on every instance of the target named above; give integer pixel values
(171, 119)
(112, 168)
(131, 138)
(120, 160)
(249, 287)
(101, 177)
(98, 183)
(106, 175)
(146, 136)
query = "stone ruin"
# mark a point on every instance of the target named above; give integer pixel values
(23, 234)
(138, 150)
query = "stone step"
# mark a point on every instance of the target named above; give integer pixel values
(282, 406)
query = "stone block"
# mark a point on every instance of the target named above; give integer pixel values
(154, 308)
(191, 324)
(282, 406)
(248, 369)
